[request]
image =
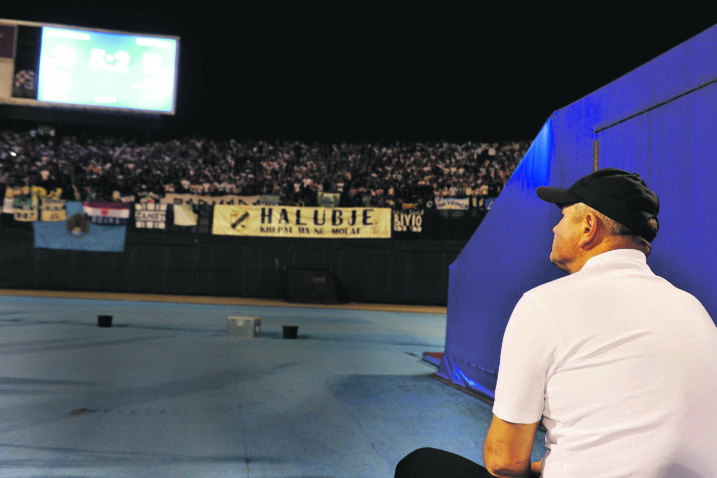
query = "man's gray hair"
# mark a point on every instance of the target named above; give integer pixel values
(617, 229)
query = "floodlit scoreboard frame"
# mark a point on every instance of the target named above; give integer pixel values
(52, 66)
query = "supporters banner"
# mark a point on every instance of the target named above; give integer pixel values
(107, 213)
(268, 199)
(26, 208)
(452, 203)
(408, 221)
(306, 222)
(184, 215)
(150, 215)
(79, 233)
(196, 199)
(25, 202)
(53, 210)
(8, 205)
(328, 199)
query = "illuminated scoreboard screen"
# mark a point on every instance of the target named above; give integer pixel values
(93, 69)
(113, 70)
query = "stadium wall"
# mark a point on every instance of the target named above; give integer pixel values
(399, 270)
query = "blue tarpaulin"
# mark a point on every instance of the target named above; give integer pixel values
(659, 120)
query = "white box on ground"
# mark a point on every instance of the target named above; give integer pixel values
(243, 326)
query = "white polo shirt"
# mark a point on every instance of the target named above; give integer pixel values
(621, 365)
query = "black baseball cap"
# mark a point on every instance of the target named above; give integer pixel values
(620, 195)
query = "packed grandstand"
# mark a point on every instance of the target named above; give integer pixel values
(399, 175)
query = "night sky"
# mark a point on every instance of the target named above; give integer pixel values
(381, 71)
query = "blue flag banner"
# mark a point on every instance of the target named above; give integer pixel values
(80, 233)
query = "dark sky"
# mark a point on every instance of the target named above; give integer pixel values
(357, 71)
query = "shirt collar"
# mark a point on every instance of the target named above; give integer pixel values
(616, 255)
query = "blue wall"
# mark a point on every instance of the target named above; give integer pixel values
(659, 120)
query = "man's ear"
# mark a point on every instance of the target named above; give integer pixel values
(590, 227)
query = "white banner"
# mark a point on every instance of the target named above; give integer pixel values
(148, 215)
(306, 222)
(452, 203)
(195, 199)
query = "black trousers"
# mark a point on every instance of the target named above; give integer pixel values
(435, 463)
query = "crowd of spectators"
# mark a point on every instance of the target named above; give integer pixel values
(400, 175)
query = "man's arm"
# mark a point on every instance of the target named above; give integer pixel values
(508, 447)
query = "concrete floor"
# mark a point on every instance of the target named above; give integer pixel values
(165, 392)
